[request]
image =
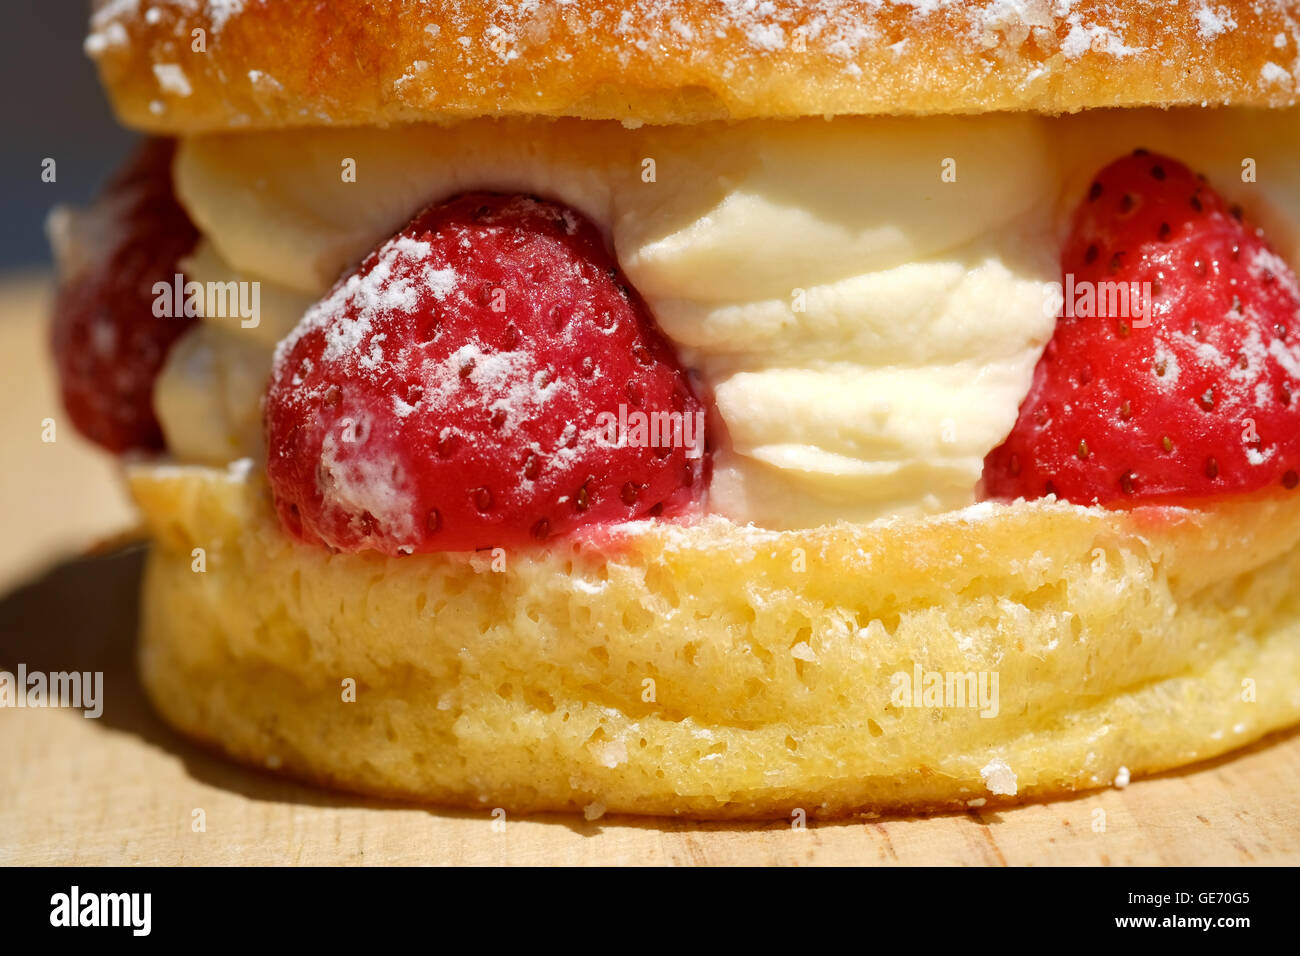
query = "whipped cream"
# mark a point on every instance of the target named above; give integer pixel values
(866, 325)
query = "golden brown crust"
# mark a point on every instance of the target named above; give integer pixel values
(351, 62)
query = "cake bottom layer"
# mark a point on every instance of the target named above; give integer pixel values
(711, 670)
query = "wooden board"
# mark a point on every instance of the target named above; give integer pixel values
(125, 788)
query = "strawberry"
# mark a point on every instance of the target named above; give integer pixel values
(1194, 399)
(456, 390)
(108, 344)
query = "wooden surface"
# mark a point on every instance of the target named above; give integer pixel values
(124, 788)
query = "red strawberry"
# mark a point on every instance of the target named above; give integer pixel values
(108, 344)
(1197, 403)
(447, 395)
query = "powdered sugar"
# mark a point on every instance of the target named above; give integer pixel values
(1254, 354)
(364, 484)
(264, 82)
(172, 79)
(1285, 356)
(1095, 37)
(766, 36)
(405, 246)
(509, 382)
(371, 294)
(1268, 266)
(476, 47)
(1010, 22)
(1270, 74)
(414, 72)
(109, 16)
(1208, 355)
(1257, 457)
(112, 35)
(1164, 366)
(1214, 21)
(440, 282)
(222, 10)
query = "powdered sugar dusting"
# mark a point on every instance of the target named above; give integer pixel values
(364, 484)
(264, 82)
(1271, 74)
(1256, 457)
(1254, 353)
(113, 12)
(440, 282)
(368, 295)
(766, 36)
(468, 48)
(509, 382)
(1165, 367)
(1286, 357)
(111, 35)
(1214, 21)
(222, 10)
(1096, 38)
(1267, 266)
(1208, 355)
(172, 79)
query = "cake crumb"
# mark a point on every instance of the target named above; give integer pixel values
(999, 778)
(803, 652)
(610, 754)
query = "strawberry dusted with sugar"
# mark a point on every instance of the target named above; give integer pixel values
(1173, 371)
(109, 344)
(468, 386)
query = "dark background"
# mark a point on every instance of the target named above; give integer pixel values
(53, 106)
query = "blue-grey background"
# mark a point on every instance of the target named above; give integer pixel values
(52, 106)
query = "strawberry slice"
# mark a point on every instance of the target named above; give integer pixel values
(1188, 393)
(457, 391)
(108, 344)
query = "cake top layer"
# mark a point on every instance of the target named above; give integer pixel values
(178, 66)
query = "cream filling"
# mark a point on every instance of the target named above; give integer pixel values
(864, 298)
